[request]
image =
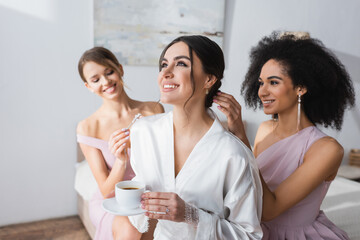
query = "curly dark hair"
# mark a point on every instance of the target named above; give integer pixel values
(211, 57)
(309, 64)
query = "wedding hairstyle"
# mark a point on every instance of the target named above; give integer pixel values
(101, 56)
(309, 64)
(211, 57)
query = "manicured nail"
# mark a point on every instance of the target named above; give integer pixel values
(218, 93)
(127, 133)
(127, 137)
(218, 107)
(214, 100)
(124, 129)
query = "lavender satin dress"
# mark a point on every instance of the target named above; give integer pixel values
(305, 220)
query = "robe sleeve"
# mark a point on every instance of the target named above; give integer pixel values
(140, 222)
(242, 206)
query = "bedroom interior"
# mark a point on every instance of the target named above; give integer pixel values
(42, 172)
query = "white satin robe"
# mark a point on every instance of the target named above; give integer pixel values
(219, 177)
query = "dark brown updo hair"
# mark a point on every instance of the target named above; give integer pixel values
(102, 56)
(211, 57)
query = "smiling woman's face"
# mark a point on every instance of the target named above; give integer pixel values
(102, 80)
(175, 76)
(276, 91)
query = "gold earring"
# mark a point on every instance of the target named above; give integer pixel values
(207, 91)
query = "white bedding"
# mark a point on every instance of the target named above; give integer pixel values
(85, 183)
(341, 204)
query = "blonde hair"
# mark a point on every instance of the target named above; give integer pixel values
(296, 35)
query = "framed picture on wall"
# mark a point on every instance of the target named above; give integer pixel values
(137, 30)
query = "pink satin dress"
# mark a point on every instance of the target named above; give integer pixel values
(102, 220)
(305, 220)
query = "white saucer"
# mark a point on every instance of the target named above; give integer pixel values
(110, 205)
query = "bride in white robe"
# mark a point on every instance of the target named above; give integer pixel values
(203, 180)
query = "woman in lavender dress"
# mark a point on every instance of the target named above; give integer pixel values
(102, 75)
(301, 84)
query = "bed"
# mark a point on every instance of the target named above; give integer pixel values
(341, 204)
(85, 186)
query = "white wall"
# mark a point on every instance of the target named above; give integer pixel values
(42, 98)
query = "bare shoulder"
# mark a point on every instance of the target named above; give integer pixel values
(264, 129)
(151, 108)
(325, 155)
(266, 125)
(88, 126)
(328, 147)
(261, 139)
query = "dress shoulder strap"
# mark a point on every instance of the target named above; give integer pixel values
(91, 141)
(314, 135)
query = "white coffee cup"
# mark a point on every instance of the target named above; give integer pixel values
(128, 194)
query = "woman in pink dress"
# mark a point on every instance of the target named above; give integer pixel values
(301, 84)
(102, 75)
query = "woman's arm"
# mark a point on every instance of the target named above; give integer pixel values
(321, 163)
(232, 110)
(106, 180)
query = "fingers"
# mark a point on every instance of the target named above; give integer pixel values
(232, 110)
(119, 140)
(156, 215)
(156, 208)
(161, 202)
(158, 201)
(159, 195)
(230, 98)
(227, 100)
(118, 133)
(228, 105)
(163, 205)
(110, 195)
(227, 112)
(119, 145)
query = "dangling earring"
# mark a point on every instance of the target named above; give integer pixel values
(207, 91)
(298, 112)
